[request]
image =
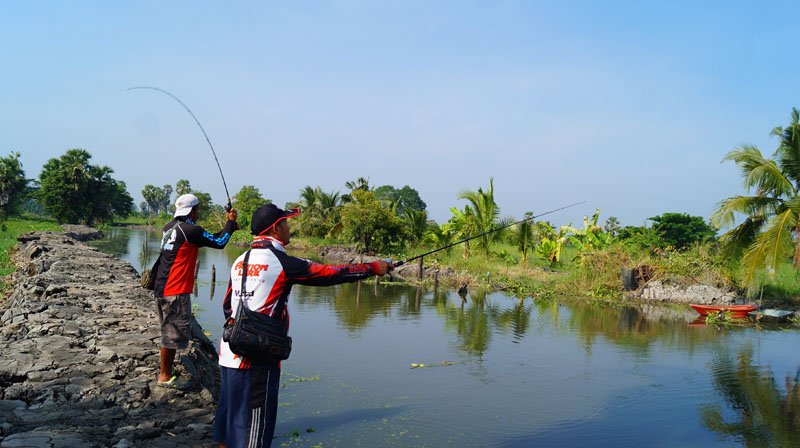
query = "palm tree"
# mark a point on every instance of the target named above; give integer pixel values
(770, 232)
(417, 223)
(522, 236)
(463, 224)
(485, 212)
(440, 236)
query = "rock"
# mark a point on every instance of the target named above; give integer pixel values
(79, 343)
(658, 291)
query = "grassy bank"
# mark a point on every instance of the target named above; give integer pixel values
(9, 231)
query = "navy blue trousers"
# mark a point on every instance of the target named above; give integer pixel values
(248, 407)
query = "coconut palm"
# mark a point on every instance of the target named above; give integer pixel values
(522, 236)
(768, 235)
(416, 222)
(485, 213)
(463, 224)
(440, 236)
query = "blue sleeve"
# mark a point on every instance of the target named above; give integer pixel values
(200, 237)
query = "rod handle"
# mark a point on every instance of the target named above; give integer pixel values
(398, 263)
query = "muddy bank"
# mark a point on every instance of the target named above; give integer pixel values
(79, 344)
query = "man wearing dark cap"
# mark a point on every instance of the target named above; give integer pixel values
(248, 402)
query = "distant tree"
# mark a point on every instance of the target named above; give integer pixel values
(74, 191)
(152, 196)
(369, 225)
(360, 184)
(164, 199)
(12, 185)
(680, 230)
(182, 187)
(246, 201)
(612, 225)
(205, 207)
(405, 198)
(144, 208)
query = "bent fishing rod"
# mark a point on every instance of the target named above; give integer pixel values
(402, 262)
(228, 207)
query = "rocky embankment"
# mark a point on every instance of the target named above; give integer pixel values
(699, 294)
(348, 255)
(79, 358)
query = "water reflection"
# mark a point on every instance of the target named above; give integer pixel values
(757, 411)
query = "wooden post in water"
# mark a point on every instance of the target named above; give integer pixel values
(196, 269)
(358, 294)
(435, 281)
(419, 275)
(213, 282)
(416, 305)
(377, 284)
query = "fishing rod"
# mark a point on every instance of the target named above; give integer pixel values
(228, 207)
(402, 262)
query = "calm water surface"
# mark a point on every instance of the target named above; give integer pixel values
(517, 373)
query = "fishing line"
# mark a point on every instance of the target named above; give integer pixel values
(400, 263)
(110, 120)
(201, 128)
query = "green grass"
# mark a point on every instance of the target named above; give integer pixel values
(11, 229)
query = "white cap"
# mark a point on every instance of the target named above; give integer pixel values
(184, 204)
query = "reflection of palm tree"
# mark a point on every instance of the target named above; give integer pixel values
(763, 415)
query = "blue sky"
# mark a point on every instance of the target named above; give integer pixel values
(627, 106)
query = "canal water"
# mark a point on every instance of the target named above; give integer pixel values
(504, 372)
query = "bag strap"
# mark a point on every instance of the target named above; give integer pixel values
(165, 238)
(281, 301)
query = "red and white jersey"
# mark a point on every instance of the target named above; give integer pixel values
(270, 276)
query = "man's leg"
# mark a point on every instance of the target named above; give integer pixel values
(167, 361)
(175, 316)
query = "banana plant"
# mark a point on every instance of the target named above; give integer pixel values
(550, 248)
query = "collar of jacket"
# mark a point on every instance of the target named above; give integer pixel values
(261, 242)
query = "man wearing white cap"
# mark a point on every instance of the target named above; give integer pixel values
(181, 238)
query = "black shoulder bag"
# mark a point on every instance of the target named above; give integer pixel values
(255, 335)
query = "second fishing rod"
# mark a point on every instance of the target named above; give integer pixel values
(402, 262)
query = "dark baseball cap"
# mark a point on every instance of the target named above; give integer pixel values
(267, 216)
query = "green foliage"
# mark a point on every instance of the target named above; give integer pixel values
(440, 236)
(680, 230)
(9, 232)
(773, 211)
(522, 236)
(552, 245)
(612, 225)
(246, 201)
(321, 212)
(74, 191)
(182, 187)
(481, 215)
(360, 184)
(405, 198)
(640, 237)
(157, 199)
(591, 236)
(12, 184)
(369, 225)
(416, 222)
